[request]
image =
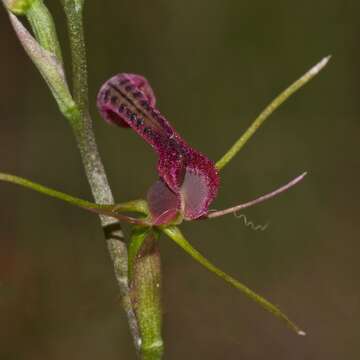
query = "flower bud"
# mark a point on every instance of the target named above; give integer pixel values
(19, 7)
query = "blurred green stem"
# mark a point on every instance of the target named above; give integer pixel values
(94, 169)
(269, 110)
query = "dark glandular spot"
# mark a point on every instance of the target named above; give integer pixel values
(132, 116)
(139, 122)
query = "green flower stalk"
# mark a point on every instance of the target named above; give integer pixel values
(145, 289)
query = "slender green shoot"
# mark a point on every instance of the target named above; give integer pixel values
(238, 145)
(175, 234)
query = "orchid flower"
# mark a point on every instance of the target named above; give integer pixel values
(188, 180)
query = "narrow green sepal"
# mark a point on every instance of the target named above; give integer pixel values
(49, 192)
(102, 209)
(175, 234)
(276, 103)
(145, 289)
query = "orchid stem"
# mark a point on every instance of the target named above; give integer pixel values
(175, 234)
(259, 200)
(145, 288)
(238, 145)
(92, 162)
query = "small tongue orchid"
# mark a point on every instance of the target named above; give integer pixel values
(188, 181)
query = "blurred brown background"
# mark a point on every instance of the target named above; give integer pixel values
(214, 65)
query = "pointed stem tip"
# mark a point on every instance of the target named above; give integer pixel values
(320, 65)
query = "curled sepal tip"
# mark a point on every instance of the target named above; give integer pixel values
(175, 234)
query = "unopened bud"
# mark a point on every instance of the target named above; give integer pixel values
(19, 7)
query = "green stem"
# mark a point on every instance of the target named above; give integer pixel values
(94, 168)
(269, 110)
(145, 289)
(175, 234)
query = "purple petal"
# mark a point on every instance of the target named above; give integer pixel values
(200, 186)
(128, 100)
(164, 205)
(128, 87)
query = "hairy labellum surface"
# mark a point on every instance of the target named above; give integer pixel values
(189, 180)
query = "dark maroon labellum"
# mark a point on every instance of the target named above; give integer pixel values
(189, 180)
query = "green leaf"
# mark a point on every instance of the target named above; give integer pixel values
(175, 234)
